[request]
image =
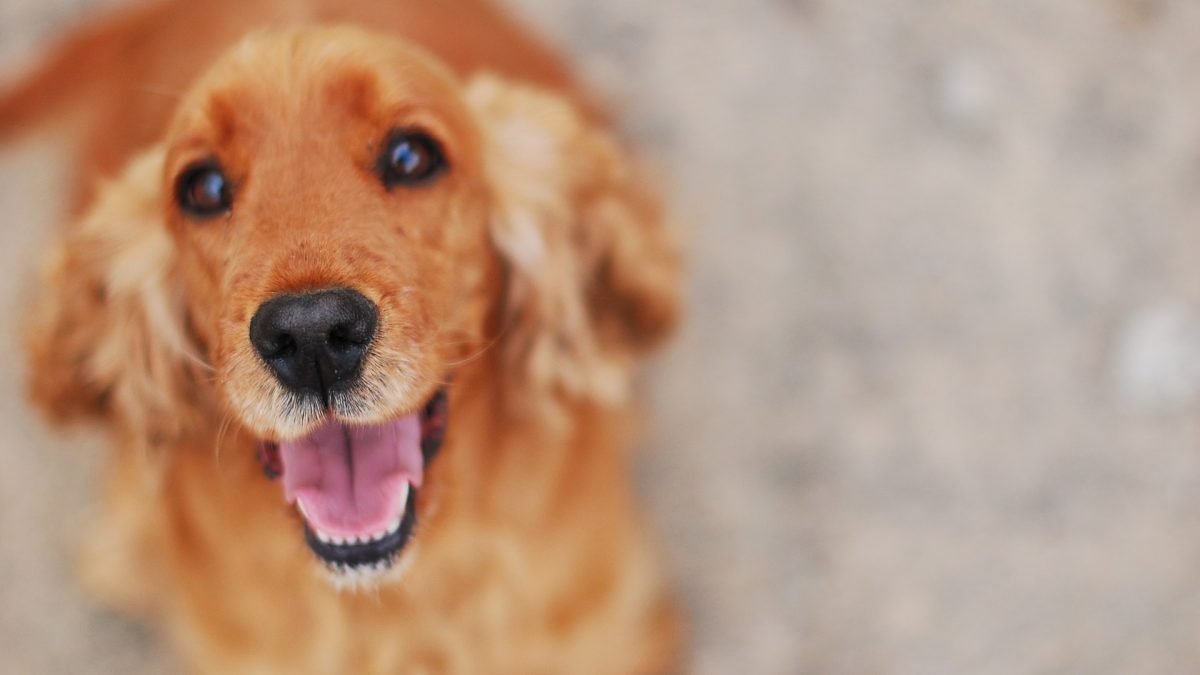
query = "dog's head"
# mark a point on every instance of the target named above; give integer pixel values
(332, 226)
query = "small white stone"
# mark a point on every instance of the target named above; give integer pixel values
(1155, 362)
(963, 92)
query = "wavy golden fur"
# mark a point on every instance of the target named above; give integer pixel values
(529, 278)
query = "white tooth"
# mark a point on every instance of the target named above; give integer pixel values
(300, 506)
(337, 541)
(321, 536)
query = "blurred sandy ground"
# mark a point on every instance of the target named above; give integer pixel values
(936, 407)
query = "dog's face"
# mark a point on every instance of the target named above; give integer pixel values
(329, 212)
(332, 225)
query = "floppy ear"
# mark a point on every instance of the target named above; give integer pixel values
(106, 336)
(592, 270)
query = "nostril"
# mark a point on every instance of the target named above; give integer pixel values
(345, 335)
(277, 346)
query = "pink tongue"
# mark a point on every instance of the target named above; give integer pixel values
(351, 479)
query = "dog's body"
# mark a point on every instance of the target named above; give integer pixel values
(525, 278)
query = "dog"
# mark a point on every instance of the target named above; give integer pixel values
(358, 290)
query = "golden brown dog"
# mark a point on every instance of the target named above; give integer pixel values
(406, 270)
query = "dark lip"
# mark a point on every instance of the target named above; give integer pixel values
(434, 417)
(346, 557)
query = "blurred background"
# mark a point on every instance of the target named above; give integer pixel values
(936, 406)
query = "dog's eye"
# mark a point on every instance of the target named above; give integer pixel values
(411, 157)
(204, 191)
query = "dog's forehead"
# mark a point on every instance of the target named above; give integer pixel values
(305, 79)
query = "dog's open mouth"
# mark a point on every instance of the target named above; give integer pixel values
(356, 486)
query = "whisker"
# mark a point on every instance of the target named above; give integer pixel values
(226, 420)
(480, 352)
(198, 360)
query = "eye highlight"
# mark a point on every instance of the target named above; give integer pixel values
(411, 157)
(203, 191)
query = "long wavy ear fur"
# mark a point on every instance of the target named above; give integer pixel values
(107, 336)
(592, 270)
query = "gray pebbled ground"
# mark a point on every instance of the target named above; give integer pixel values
(935, 409)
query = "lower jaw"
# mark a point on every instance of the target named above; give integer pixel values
(367, 559)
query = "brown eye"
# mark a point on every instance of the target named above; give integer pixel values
(204, 191)
(410, 158)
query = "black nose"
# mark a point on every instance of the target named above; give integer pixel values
(314, 342)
